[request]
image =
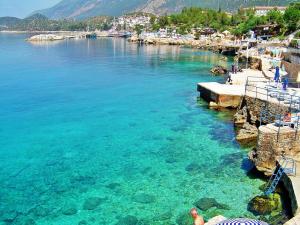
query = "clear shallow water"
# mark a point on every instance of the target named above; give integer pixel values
(112, 120)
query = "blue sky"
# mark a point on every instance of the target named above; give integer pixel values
(22, 8)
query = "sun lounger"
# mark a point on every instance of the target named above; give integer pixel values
(280, 123)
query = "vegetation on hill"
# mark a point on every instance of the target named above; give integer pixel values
(39, 22)
(238, 23)
(81, 9)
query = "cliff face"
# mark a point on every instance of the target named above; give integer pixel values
(88, 8)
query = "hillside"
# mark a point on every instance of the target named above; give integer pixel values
(39, 22)
(87, 8)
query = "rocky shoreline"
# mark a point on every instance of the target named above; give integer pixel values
(216, 44)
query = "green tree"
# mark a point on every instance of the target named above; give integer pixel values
(138, 29)
(292, 17)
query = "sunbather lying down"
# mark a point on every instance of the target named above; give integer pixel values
(287, 117)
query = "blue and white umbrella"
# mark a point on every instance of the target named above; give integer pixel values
(242, 222)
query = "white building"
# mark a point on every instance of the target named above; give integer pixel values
(263, 10)
(132, 21)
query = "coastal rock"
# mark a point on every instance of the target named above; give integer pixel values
(69, 209)
(193, 167)
(92, 203)
(219, 70)
(184, 219)
(144, 198)
(206, 203)
(128, 220)
(240, 117)
(263, 205)
(247, 133)
(213, 105)
(46, 37)
(134, 38)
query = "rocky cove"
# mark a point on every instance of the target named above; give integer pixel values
(253, 132)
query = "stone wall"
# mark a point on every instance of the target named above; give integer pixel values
(271, 146)
(254, 107)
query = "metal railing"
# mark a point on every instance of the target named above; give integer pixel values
(269, 91)
(285, 165)
(279, 120)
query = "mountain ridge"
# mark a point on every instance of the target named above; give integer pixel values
(80, 9)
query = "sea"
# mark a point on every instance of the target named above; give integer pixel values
(107, 132)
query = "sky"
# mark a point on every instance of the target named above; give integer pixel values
(22, 8)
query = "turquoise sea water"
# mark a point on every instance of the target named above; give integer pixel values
(92, 131)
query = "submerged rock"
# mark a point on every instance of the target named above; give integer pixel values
(30, 222)
(231, 158)
(113, 185)
(41, 211)
(206, 203)
(193, 167)
(82, 222)
(128, 220)
(92, 203)
(69, 209)
(263, 205)
(144, 198)
(184, 219)
(164, 216)
(9, 216)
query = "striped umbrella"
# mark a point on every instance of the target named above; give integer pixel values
(242, 222)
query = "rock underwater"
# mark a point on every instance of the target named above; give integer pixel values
(263, 205)
(206, 203)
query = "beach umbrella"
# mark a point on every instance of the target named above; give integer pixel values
(242, 222)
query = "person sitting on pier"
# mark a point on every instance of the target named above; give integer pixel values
(287, 117)
(229, 80)
(198, 220)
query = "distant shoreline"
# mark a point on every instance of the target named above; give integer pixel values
(37, 31)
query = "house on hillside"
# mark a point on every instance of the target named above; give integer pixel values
(266, 31)
(207, 31)
(263, 10)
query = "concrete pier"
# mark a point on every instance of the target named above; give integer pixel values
(221, 95)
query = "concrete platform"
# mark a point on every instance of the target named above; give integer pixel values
(221, 95)
(240, 78)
